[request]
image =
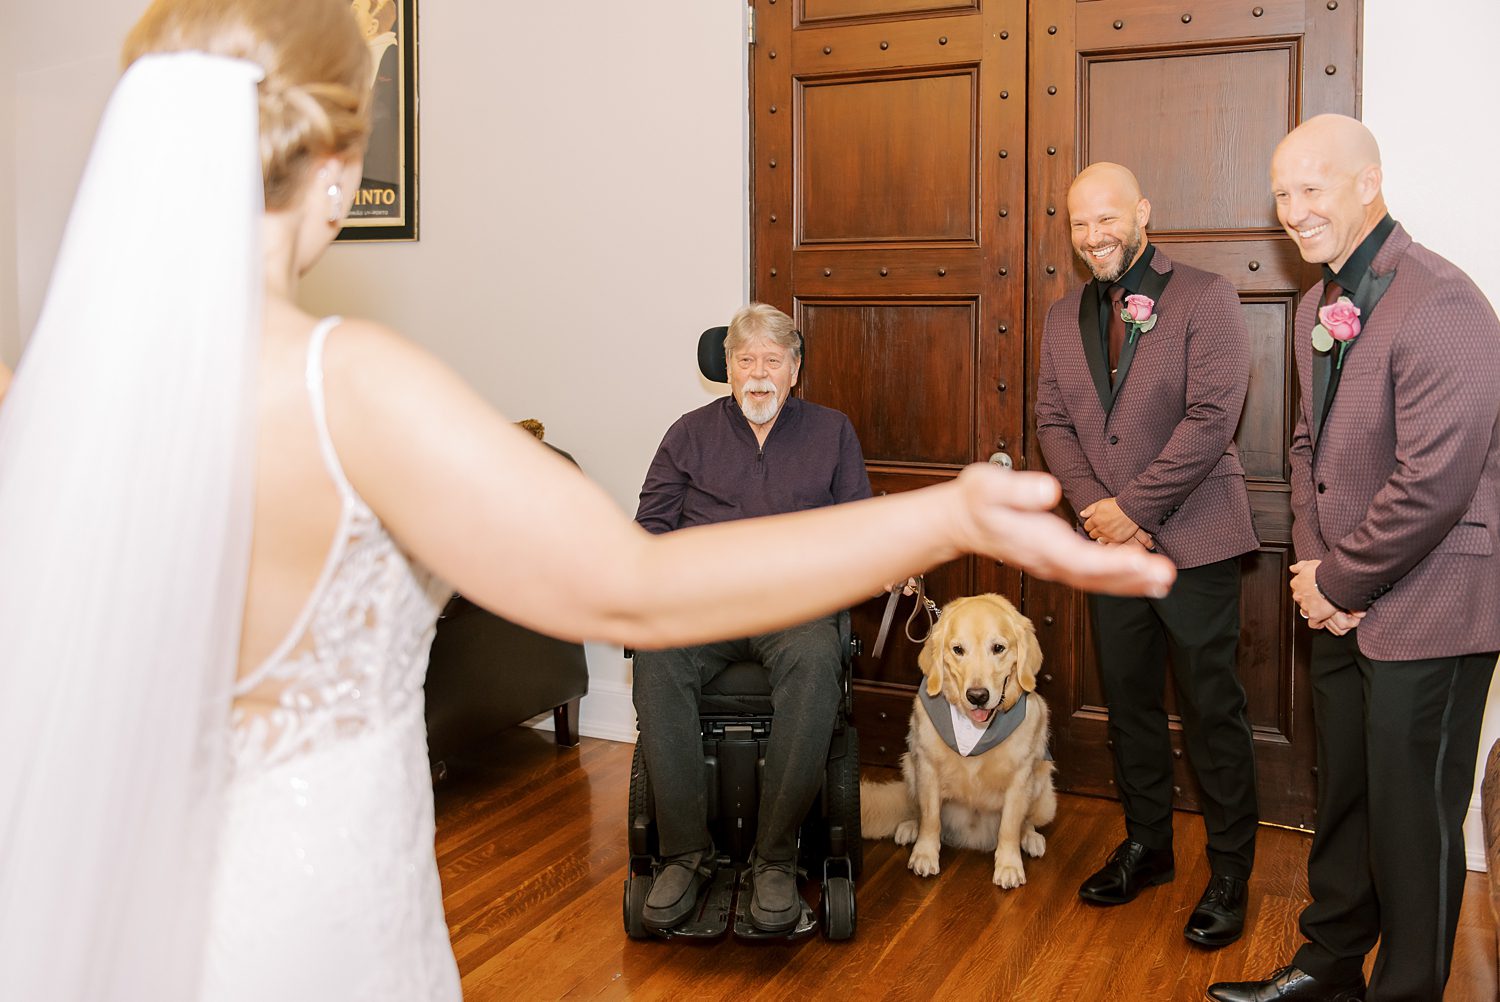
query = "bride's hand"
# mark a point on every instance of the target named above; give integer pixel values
(1008, 516)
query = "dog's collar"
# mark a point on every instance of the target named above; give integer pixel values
(1001, 726)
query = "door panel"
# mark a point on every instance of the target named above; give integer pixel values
(1265, 428)
(895, 360)
(888, 159)
(1107, 24)
(1163, 112)
(833, 10)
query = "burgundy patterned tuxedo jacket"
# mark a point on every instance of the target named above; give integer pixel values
(1162, 441)
(1398, 492)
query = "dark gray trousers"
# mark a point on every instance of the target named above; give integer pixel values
(805, 666)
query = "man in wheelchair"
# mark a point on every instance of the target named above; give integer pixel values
(758, 451)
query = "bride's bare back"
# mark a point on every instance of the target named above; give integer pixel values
(297, 506)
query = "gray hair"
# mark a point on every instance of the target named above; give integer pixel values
(762, 320)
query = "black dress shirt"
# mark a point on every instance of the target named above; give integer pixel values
(710, 467)
(1353, 271)
(1130, 282)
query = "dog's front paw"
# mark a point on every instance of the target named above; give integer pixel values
(1035, 843)
(906, 833)
(1009, 873)
(924, 860)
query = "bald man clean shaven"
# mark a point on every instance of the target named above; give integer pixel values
(1395, 504)
(1143, 375)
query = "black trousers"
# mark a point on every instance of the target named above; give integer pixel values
(1397, 743)
(1198, 623)
(806, 669)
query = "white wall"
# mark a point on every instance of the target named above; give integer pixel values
(583, 218)
(10, 329)
(1423, 81)
(60, 60)
(584, 200)
(57, 106)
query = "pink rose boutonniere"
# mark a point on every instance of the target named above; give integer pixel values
(1338, 321)
(1138, 313)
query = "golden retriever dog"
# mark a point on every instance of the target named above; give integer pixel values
(981, 659)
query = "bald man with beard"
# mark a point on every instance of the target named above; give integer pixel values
(1396, 522)
(1143, 376)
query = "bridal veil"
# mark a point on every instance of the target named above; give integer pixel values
(126, 479)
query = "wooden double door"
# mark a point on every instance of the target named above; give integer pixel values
(910, 164)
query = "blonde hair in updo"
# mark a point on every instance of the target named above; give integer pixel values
(315, 98)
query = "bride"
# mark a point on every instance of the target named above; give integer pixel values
(226, 528)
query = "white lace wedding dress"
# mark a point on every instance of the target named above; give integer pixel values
(327, 886)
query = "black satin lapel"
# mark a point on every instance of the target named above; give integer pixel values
(1368, 297)
(1151, 287)
(1371, 288)
(1322, 371)
(1093, 351)
(1154, 284)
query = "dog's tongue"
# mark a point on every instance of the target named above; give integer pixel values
(981, 717)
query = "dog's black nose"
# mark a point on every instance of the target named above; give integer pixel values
(978, 696)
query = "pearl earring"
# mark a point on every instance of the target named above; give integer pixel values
(335, 202)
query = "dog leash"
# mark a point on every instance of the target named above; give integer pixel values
(923, 603)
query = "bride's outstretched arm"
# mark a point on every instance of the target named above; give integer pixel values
(4, 380)
(520, 531)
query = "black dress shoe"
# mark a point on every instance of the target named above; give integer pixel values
(1131, 868)
(1289, 983)
(1219, 918)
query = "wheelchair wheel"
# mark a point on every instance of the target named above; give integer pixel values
(837, 907)
(637, 886)
(843, 800)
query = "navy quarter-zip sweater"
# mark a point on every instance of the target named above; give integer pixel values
(709, 467)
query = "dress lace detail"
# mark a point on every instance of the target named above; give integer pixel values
(360, 658)
(328, 887)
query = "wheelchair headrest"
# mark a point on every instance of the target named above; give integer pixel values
(711, 354)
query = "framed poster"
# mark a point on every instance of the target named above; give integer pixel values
(385, 208)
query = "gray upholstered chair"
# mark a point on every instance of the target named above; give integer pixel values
(486, 673)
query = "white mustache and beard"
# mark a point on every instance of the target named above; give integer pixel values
(757, 412)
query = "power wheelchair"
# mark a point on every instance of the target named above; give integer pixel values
(735, 716)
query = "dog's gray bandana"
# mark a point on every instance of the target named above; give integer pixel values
(1003, 723)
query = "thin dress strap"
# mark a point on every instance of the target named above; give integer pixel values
(349, 506)
(319, 406)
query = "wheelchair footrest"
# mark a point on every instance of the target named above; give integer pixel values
(744, 928)
(710, 919)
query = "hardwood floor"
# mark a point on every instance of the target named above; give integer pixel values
(531, 846)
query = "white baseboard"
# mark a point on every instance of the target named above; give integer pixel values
(1474, 838)
(607, 713)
